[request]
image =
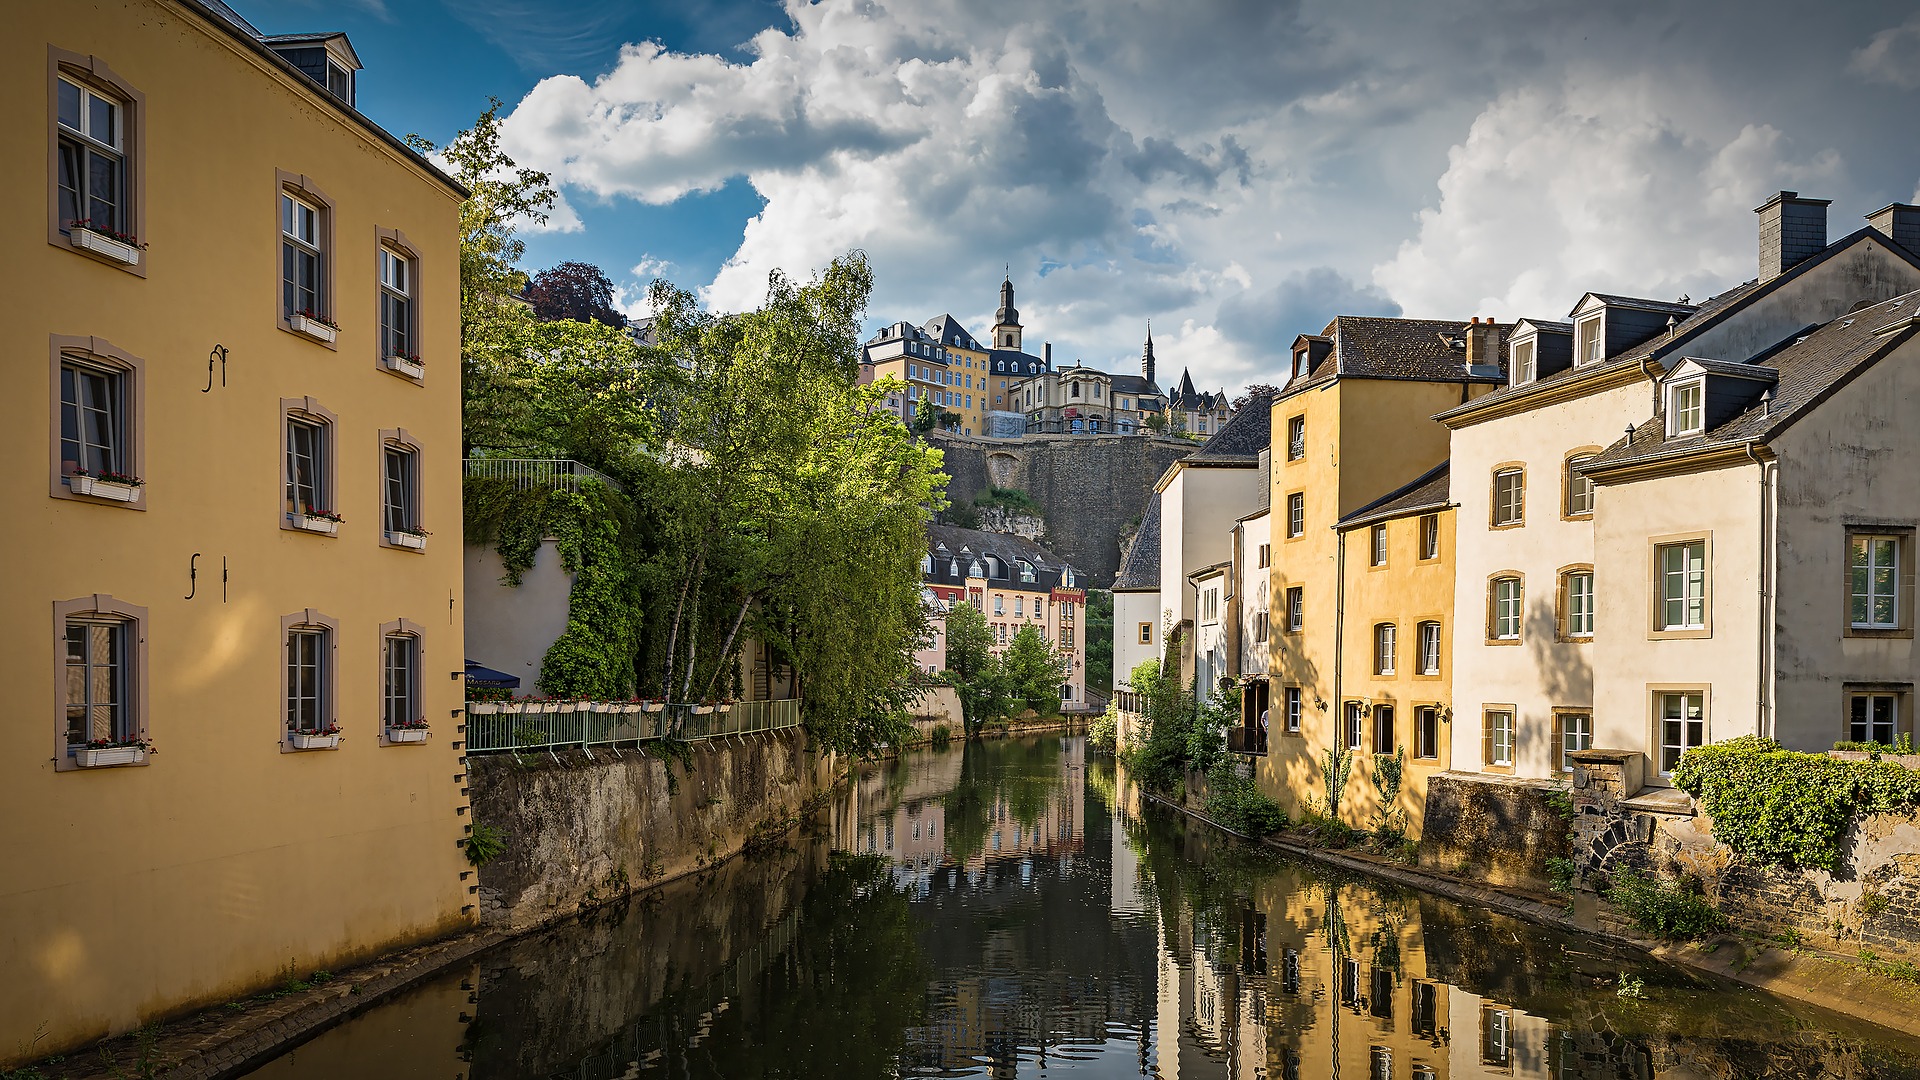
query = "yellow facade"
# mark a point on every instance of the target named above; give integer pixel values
(228, 858)
(1363, 439)
(957, 383)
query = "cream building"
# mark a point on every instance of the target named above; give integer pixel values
(1200, 497)
(1015, 583)
(1540, 617)
(942, 364)
(1138, 635)
(235, 351)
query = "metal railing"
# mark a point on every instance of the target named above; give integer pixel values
(558, 474)
(515, 725)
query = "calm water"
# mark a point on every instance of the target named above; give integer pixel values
(1008, 910)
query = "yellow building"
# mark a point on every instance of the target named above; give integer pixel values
(1396, 621)
(1353, 423)
(944, 365)
(235, 369)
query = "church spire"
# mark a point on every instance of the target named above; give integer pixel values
(1146, 355)
(1006, 321)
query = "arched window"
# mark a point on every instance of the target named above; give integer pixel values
(953, 568)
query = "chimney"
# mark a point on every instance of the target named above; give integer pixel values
(1900, 223)
(1792, 230)
(1047, 355)
(1483, 347)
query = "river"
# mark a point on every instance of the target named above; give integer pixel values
(1012, 909)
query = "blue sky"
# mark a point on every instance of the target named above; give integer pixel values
(1238, 171)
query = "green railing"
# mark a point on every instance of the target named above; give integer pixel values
(515, 725)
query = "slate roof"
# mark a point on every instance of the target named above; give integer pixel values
(1140, 571)
(1240, 440)
(1551, 326)
(1133, 384)
(947, 330)
(1010, 547)
(1427, 492)
(1811, 367)
(1737, 369)
(1670, 307)
(1021, 358)
(1382, 348)
(1703, 316)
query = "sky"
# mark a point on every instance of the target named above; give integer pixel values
(1235, 171)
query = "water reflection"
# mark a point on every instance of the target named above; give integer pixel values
(1011, 909)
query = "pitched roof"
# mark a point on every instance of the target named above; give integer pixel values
(1133, 384)
(947, 330)
(1369, 347)
(1246, 433)
(1427, 492)
(1140, 571)
(1811, 367)
(1668, 307)
(1703, 317)
(1010, 547)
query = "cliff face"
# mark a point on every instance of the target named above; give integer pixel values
(1090, 489)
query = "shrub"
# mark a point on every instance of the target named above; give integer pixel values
(486, 843)
(1561, 874)
(1104, 732)
(941, 736)
(1236, 802)
(1670, 910)
(1785, 808)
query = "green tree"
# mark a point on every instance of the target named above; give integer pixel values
(1033, 670)
(975, 672)
(925, 419)
(1100, 640)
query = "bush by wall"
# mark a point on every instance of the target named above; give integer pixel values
(1236, 802)
(1783, 808)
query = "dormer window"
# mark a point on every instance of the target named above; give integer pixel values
(1686, 408)
(1066, 577)
(926, 565)
(1026, 571)
(974, 570)
(1590, 343)
(953, 568)
(1525, 367)
(340, 82)
(1299, 362)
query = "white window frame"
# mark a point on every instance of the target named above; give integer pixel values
(1574, 737)
(1686, 708)
(1687, 408)
(1296, 596)
(1871, 698)
(1876, 574)
(1377, 545)
(1294, 702)
(110, 145)
(1430, 647)
(1590, 339)
(1684, 586)
(1429, 536)
(1579, 615)
(399, 703)
(1386, 646)
(1508, 610)
(1579, 488)
(297, 241)
(1525, 365)
(1297, 514)
(1510, 506)
(1496, 744)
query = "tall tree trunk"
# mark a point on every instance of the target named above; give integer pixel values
(679, 609)
(727, 647)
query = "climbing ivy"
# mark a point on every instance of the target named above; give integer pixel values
(1785, 808)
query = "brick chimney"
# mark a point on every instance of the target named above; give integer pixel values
(1792, 230)
(1483, 347)
(1900, 223)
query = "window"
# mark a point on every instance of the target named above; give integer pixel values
(1524, 369)
(1426, 732)
(1383, 733)
(400, 484)
(1572, 732)
(1683, 586)
(309, 674)
(1380, 1063)
(1429, 648)
(95, 412)
(1296, 513)
(92, 160)
(300, 257)
(97, 708)
(1683, 725)
(1385, 640)
(1497, 739)
(1686, 408)
(1874, 717)
(91, 419)
(1020, 606)
(1590, 344)
(1425, 1006)
(1296, 608)
(1377, 546)
(1353, 731)
(1210, 606)
(1289, 971)
(396, 305)
(1266, 555)
(1509, 497)
(1146, 632)
(1504, 625)
(999, 605)
(1496, 1036)
(1579, 489)
(1260, 624)
(400, 682)
(1874, 582)
(1576, 602)
(1429, 536)
(1293, 707)
(1296, 438)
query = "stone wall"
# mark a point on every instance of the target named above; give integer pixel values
(1090, 488)
(1872, 901)
(584, 827)
(1499, 830)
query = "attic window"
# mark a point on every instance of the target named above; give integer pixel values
(1299, 362)
(1686, 409)
(1590, 344)
(1524, 368)
(339, 82)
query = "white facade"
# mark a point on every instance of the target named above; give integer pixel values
(1251, 593)
(1198, 508)
(1213, 600)
(1136, 632)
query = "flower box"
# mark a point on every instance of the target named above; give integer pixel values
(105, 246)
(551, 706)
(305, 741)
(702, 710)
(313, 328)
(724, 708)
(402, 735)
(311, 523)
(630, 708)
(102, 489)
(654, 706)
(412, 369)
(407, 540)
(482, 708)
(110, 755)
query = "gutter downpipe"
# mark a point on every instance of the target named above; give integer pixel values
(1339, 639)
(1764, 721)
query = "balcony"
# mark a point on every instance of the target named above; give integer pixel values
(554, 474)
(1243, 740)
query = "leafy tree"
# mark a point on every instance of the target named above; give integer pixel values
(1156, 423)
(578, 291)
(925, 419)
(1100, 640)
(977, 675)
(1255, 392)
(1033, 670)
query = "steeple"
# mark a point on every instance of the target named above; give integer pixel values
(1006, 321)
(1146, 356)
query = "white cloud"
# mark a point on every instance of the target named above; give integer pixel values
(1595, 185)
(1892, 57)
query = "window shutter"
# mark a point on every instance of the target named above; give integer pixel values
(1486, 739)
(1559, 743)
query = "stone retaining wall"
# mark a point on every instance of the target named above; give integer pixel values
(1500, 830)
(584, 827)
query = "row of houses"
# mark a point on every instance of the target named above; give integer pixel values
(1003, 392)
(1486, 545)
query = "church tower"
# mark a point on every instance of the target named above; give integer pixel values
(1006, 321)
(1146, 358)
